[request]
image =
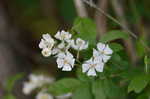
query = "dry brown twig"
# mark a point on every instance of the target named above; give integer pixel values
(114, 20)
(80, 7)
(119, 10)
(101, 20)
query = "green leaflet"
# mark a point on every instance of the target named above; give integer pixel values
(11, 81)
(113, 35)
(9, 96)
(84, 92)
(98, 90)
(63, 86)
(85, 28)
(138, 83)
(116, 47)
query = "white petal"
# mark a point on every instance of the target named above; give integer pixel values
(28, 87)
(57, 35)
(33, 78)
(69, 54)
(55, 51)
(91, 72)
(42, 44)
(108, 50)
(46, 36)
(46, 52)
(61, 45)
(81, 44)
(86, 45)
(105, 58)
(42, 95)
(98, 59)
(85, 67)
(90, 61)
(60, 62)
(79, 41)
(99, 67)
(64, 96)
(95, 53)
(67, 67)
(65, 35)
(61, 55)
(73, 45)
(72, 62)
(100, 46)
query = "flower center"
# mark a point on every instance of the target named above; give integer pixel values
(45, 52)
(102, 52)
(65, 62)
(93, 65)
(80, 43)
(44, 97)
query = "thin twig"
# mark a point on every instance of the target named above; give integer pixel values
(101, 20)
(80, 7)
(116, 21)
(119, 10)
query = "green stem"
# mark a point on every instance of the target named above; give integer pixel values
(146, 66)
(78, 54)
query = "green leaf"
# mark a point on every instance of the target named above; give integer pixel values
(143, 96)
(63, 86)
(116, 47)
(140, 48)
(82, 76)
(84, 92)
(11, 81)
(138, 83)
(111, 90)
(86, 29)
(98, 90)
(113, 35)
(9, 96)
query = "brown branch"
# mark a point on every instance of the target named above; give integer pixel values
(101, 19)
(80, 7)
(118, 8)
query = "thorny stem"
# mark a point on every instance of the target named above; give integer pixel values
(116, 21)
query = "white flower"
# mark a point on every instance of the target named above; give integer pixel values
(91, 66)
(65, 61)
(36, 81)
(46, 42)
(43, 95)
(40, 80)
(46, 52)
(61, 48)
(64, 36)
(28, 87)
(79, 44)
(103, 52)
(55, 51)
(61, 45)
(64, 96)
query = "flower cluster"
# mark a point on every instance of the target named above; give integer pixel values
(96, 63)
(36, 81)
(65, 60)
(45, 95)
(46, 44)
